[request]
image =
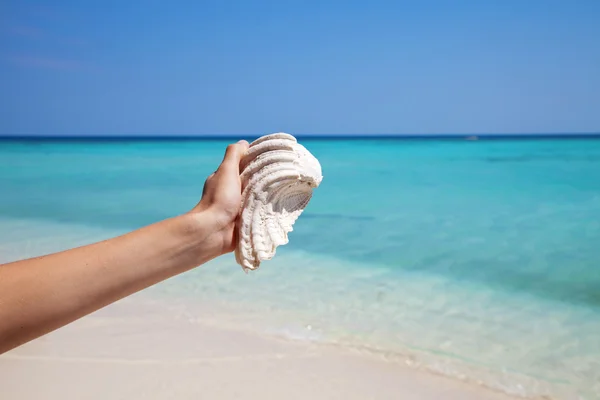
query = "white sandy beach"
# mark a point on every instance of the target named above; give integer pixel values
(134, 351)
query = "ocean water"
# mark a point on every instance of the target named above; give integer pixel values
(475, 259)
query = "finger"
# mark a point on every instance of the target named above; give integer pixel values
(233, 155)
(207, 182)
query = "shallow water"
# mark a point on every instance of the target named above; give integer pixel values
(474, 259)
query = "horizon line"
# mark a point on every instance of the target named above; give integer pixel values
(312, 136)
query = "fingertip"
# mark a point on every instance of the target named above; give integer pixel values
(234, 153)
(244, 144)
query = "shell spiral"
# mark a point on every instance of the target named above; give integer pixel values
(278, 177)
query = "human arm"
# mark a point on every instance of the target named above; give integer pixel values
(41, 294)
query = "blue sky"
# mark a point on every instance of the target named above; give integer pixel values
(73, 67)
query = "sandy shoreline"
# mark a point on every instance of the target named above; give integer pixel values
(131, 351)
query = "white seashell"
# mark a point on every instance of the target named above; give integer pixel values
(278, 177)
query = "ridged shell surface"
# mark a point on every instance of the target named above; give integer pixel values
(278, 177)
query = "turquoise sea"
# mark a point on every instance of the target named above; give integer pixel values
(475, 259)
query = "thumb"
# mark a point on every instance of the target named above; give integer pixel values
(233, 156)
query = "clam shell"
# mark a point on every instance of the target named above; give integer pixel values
(278, 177)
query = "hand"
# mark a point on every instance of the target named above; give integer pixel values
(222, 194)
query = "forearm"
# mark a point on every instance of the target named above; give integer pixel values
(39, 295)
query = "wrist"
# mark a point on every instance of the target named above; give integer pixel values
(206, 232)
